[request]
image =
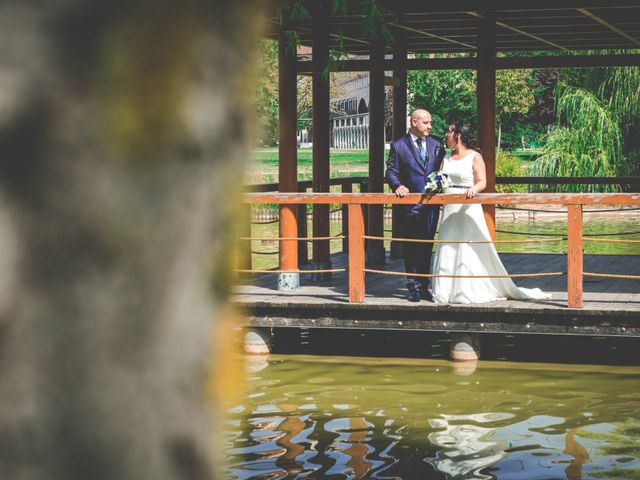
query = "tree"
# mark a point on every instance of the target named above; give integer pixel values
(596, 121)
(123, 129)
(514, 94)
(447, 94)
(451, 94)
(266, 96)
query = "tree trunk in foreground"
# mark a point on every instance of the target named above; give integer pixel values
(122, 125)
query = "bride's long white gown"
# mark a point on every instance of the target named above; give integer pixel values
(466, 222)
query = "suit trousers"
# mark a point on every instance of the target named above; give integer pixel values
(420, 222)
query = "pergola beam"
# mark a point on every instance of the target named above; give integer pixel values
(463, 63)
(522, 32)
(408, 7)
(287, 164)
(399, 128)
(486, 98)
(606, 24)
(321, 132)
(431, 35)
(375, 225)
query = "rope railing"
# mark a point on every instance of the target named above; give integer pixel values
(292, 246)
(308, 239)
(502, 207)
(614, 234)
(327, 270)
(611, 275)
(266, 222)
(435, 275)
(420, 240)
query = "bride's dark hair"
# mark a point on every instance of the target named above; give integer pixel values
(467, 133)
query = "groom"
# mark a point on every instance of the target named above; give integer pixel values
(411, 159)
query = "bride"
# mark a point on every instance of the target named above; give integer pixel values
(466, 222)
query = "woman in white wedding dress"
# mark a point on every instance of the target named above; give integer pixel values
(466, 170)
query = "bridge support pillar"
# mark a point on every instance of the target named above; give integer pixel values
(257, 341)
(465, 346)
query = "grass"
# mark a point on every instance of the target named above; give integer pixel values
(343, 163)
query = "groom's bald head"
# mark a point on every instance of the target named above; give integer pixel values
(420, 122)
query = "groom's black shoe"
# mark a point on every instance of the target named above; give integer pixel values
(415, 292)
(425, 293)
(414, 295)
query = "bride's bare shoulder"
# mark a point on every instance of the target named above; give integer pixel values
(477, 157)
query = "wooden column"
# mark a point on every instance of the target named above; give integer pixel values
(321, 131)
(288, 163)
(356, 254)
(486, 94)
(346, 188)
(399, 129)
(574, 256)
(303, 245)
(375, 248)
(244, 253)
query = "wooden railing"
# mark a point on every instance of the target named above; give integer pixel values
(355, 202)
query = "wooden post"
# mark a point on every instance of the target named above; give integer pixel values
(244, 253)
(303, 245)
(288, 163)
(574, 256)
(356, 253)
(399, 129)
(486, 95)
(375, 248)
(321, 131)
(346, 188)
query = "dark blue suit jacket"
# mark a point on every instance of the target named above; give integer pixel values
(405, 168)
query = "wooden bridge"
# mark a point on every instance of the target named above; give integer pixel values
(591, 294)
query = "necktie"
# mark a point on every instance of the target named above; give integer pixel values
(421, 151)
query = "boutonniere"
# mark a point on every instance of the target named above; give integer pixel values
(436, 151)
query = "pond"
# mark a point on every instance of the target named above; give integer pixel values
(330, 417)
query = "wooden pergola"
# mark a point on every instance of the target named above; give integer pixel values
(453, 35)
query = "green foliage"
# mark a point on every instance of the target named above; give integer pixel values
(509, 166)
(516, 128)
(621, 88)
(447, 94)
(266, 96)
(514, 92)
(451, 94)
(590, 137)
(374, 23)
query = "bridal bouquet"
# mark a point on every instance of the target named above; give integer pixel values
(437, 182)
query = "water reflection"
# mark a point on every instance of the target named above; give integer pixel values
(466, 448)
(346, 418)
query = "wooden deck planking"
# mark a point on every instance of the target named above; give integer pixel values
(600, 294)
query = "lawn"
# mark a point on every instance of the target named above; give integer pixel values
(343, 163)
(263, 167)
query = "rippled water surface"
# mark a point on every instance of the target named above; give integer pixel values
(345, 417)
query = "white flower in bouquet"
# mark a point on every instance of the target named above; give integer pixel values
(437, 182)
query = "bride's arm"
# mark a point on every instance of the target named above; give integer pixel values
(479, 177)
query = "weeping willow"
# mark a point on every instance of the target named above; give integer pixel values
(593, 132)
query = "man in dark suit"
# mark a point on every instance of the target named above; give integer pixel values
(411, 159)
